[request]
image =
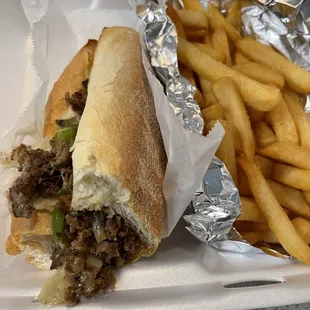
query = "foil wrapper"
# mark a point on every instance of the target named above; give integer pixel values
(284, 24)
(215, 208)
(160, 38)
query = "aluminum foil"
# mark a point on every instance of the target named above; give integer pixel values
(284, 24)
(160, 38)
(215, 208)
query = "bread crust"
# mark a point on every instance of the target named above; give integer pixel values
(31, 236)
(70, 82)
(119, 138)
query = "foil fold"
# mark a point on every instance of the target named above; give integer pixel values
(160, 39)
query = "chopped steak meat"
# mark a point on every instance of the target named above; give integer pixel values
(120, 245)
(78, 99)
(43, 175)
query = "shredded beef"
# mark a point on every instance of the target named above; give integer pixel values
(78, 99)
(120, 246)
(43, 175)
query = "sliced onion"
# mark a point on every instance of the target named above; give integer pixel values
(94, 262)
(54, 290)
(98, 228)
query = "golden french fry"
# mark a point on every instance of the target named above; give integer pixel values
(259, 96)
(254, 115)
(277, 220)
(307, 195)
(303, 228)
(296, 77)
(288, 153)
(265, 165)
(220, 43)
(282, 123)
(234, 15)
(240, 59)
(207, 93)
(214, 112)
(247, 226)
(299, 117)
(226, 151)
(264, 136)
(193, 34)
(207, 38)
(172, 13)
(187, 73)
(217, 20)
(290, 198)
(271, 238)
(211, 51)
(292, 176)
(227, 94)
(253, 237)
(250, 211)
(243, 184)
(193, 19)
(261, 73)
(194, 5)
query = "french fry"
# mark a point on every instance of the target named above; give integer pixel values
(296, 77)
(277, 220)
(243, 184)
(214, 112)
(220, 43)
(299, 117)
(259, 96)
(292, 176)
(217, 20)
(193, 34)
(264, 136)
(265, 165)
(187, 73)
(250, 211)
(207, 38)
(255, 116)
(290, 198)
(234, 15)
(227, 94)
(261, 73)
(226, 151)
(282, 123)
(211, 51)
(307, 195)
(207, 93)
(172, 13)
(240, 59)
(247, 226)
(271, 238)
(253, 237)
(303, 228)
(193, 19)
(288, 153)
(194, 5)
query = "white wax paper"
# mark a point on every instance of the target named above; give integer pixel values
(56, 37)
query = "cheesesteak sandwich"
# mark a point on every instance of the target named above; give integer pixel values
(102, 177)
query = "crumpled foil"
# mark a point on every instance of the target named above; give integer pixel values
(215, 208)
(160, 38)
(284, 24)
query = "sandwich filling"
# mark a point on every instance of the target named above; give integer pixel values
(87, 245)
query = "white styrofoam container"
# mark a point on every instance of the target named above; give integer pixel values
(183, 274)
